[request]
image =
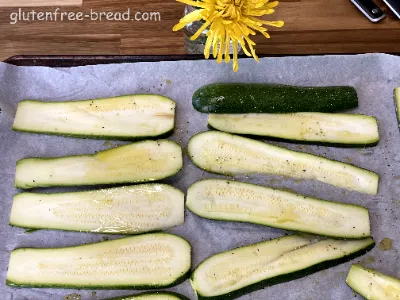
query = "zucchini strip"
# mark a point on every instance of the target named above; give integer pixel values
(228, 154)
(373, 285)
(122, 210)
(124, 118)
(396, 93)
(152, 296)
(142, 261)
(238, 271)
(219, 199)
(137, 162)
(338, 129)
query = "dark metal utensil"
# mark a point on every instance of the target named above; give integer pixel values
(369, 9)
(394, 6)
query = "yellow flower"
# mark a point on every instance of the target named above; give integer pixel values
(229, 21)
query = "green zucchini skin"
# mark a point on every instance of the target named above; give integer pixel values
(149, 296)
(100, 287)
(120, 165)
(227, 200)
(227, 154)
(82, 251)
(102, 117)
(282, 278)
(236, 98)
(372, 284)
(317, 128)
(104, 137)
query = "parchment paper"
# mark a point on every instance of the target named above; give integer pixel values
(374, 76)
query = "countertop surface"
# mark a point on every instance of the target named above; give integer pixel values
(311, 27)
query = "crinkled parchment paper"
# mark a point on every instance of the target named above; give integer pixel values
(374, 76)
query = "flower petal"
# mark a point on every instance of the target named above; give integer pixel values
(264, 33)
(273, 4)
(215, 45)
(227, 43)
(244, 48)
(192, 3)
(235, 63)
(260, 13)
(273, 23)
(207, 46)
(252, 50)
(220, 50)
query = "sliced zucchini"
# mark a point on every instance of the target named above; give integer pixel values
(124, 118)
(373, 285)
(228, 154)
(136, 162)
(122, 210)
(237, 201)
(338, 129)
(152, 296)
(397, 103)
(142, 261)
(238, 271)
(241, 98)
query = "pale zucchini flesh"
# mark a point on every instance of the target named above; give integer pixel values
(339, 129)
(142, 261)
(152, 296)
(122, 210)
(228, 154)
(373, 285)
(125, 117)
(237, 201)
(235, 272)
(137, 162)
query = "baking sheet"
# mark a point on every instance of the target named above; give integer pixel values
(373, 75)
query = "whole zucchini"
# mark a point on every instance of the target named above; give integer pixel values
(237, 98)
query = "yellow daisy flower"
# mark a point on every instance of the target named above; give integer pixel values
(229, 21)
